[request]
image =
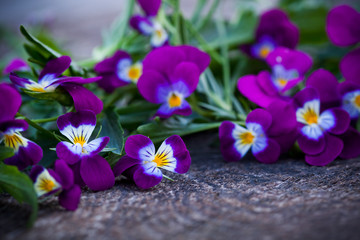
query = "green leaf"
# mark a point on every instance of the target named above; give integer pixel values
(111, 127)
(6, 152)
(59, 95)
(20, 186)
(112, 159)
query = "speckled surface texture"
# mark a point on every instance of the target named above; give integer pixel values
(214, 200)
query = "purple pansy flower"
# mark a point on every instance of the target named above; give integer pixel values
(342, 25)
(349, 66)
(49, 80)
(94, 170)
(148, 25)
(288, 69)
(17, 64)
(171, 74)
(117, 71)
(142, 163)
(27, 153)
(58, 181)
(274, 30)
(318, 129)
(236, 140)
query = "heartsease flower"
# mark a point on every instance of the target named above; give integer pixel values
(117, 71)
(148, 25)
(236, 140)
(142, 163)
(94, 170)
(50, 79)
(171, 74)
(27, 153)
(58, 181)
(17, 64)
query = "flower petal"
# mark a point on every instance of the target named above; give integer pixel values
(342, 25)
(351, 139)
(140, 147)
(283, 118)
(26, 156)
(308, 144)
(83, 98)
(77, 176)
(188, 73)
(17, 64)
(270, 153)
(150, 7)
(70, 152)
(110, 82)
(55, 67)
(18, 81)
(109, 65)
(339, 121)
(70, 199)
(194, 55)
(333, 147)
(10, 101)
(74, 124)
(153, 86)
(227, 142)
(96, 145)
(266, 84)
(165, 111)
(349, 67)
(261, 117)
(65, 173)
(77, 80)
(96, 173)
(306, 95)
(147, 176)
(16, 125)
(124, 163)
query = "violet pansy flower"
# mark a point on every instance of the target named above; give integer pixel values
(94, 170)
(319, 130)
(27, 153)
(117, 71)
(147, 25)
(58, 181)
(288, 69)
(17, 64)
(142, 163)
(274, 30)
(171, 74)
(49, 80)
(236, 140)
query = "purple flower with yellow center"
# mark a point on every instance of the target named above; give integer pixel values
(274, 30)
(171, 74)
(27, 153)
(288, 69)
(318, 130)
(342, 25)
(142, 163)
(59, 181)
(17, 64)
(148, 25)
(236, 140)
(117, 71)
(50, 79)
(94, 170)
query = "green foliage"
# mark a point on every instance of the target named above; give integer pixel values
(6, 152)
(111, 127)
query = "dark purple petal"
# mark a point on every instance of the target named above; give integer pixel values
(55, 67)
(110, 82)
(76, 119)
(153, 86)
(26, 156)
(326, 84)
(150, 7)
(283, 118)
(141, 24)
(187, 73)
(17, 64)
(305, 95)
(147, 176)
(77, 80)
(164, 60)
(333, 147)
(10, 101)
(16, 125)
(135, 143)
(83, 98)
(227, 142)
(275, 24)
(96, 173)
(65, 173)
(349, 66)
(261, 117)
(194, 55)
(35, 172)
(342, 25)
(96, 145)
(124, 163)
(286, 141)
(77, 176)
(18, 81)
(347, 86)
(310, 145)
(71, 153)
(351, 139)
(180, 153)
(165, 111)
(70, 199)
(342, 121)
(270, 154)
(265, 83)
(109, 65)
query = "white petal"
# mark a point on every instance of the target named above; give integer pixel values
(326, 120)
(312, 131)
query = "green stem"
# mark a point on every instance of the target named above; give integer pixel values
(178, 39)
(209, 16)
(44, 120)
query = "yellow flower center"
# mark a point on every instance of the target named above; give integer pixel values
(174, 100)
(160, 160)
(264, 51)
(80, 139)
(247, 138)
(357, 100)
(311, 117)
(158, 33)
(134, 73)
(281, 81)
(36, 89)
(46, 185)
(14, 141)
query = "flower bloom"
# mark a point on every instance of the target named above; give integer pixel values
(49, 80)
(148, 25)
(142, 164)
(93, 170)
(58, 181)
(342, 25)
(171, 74)
(27, 153)
(274, 30)
(17, 64)
(236, 140)
(288, 69)
(117, 71)
(318, 130)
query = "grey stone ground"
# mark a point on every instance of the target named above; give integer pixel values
(214, 200)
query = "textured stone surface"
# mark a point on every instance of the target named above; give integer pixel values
(215, 200)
